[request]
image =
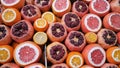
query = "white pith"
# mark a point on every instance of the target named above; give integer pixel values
(18, 50)
(37, 22)
(80, 61)
(113, 55)
(8, 54)
(90, 59)
(35, 66)
(109, 21)
(12, 4)
(53, 6)
(99, 21)
(92, 6)
(6, 10)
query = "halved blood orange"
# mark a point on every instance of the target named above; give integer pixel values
(109, 65)
(94, 55)
(40, 38)
(112, 21)
(113, 55)
(10, 16)
(87, 66)
(6, 53)
(61, 65)
(10, 65)
(49, 17)
(74, 60)
(35, 65)
(91, 23)
(114, 4)
(60, 7)
(40, 24)
(27, 53)
(5, 37)
(13, 3)
(99, 7)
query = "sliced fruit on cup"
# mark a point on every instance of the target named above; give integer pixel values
(27, 53)
(56, 52)
(94, 55)
(99, 7)
(49, 17)
(40, 38)
(74, 60)
(75, 41)
(30, 12)
(13, 3)
(112, 21)
(22, 31)
(5, 37)
(35, 65)
(6, 53)
(114, 4)
(113, 55)
(56, 32)
(80, 8)
(10, 16)
(107, 38)
(10, 65)
(60, 65)
(87, 66)
(109, 65)
(71, 21)
(91, 23)
(60, 7)
(40, 24)
(91, 37)
(44, 5)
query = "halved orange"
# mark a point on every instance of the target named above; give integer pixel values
(49, 16)
(6, 53)
(74, 60)
(40, 24)
(113, 55)
(91, 37)
(40, 38)
(10, 16)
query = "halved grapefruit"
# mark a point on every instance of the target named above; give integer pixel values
(91, 23)
(10, 65)
(109, 65)
(27, 53)
(99, 7)
(94, 55)
(35, 65)
(60, 7)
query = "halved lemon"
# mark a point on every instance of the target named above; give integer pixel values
(10, 16)
(40, 38)
(49, 16)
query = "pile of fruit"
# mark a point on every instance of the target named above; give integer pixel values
(59, 33)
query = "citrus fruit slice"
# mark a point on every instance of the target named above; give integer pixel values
(49, 16)
(91, 23)
(109, 65)
(91, 37)
(6, 53)
(113, 55)
(40, 24)
(10, 16)
(40, 38)
(94, 55)
(107, 38)
(87, 66)
(60, 7)
(5, 37)
(74, 60)
(99, 7)
(27, 53)
(10, 65)
(22, 31)
(61, 65)
(75, 41)
(114, 4)
(13, 3)
(56, 52)
(111, 21)
(35, 65)
(30, 12)
(44, 5)
(56, 32)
